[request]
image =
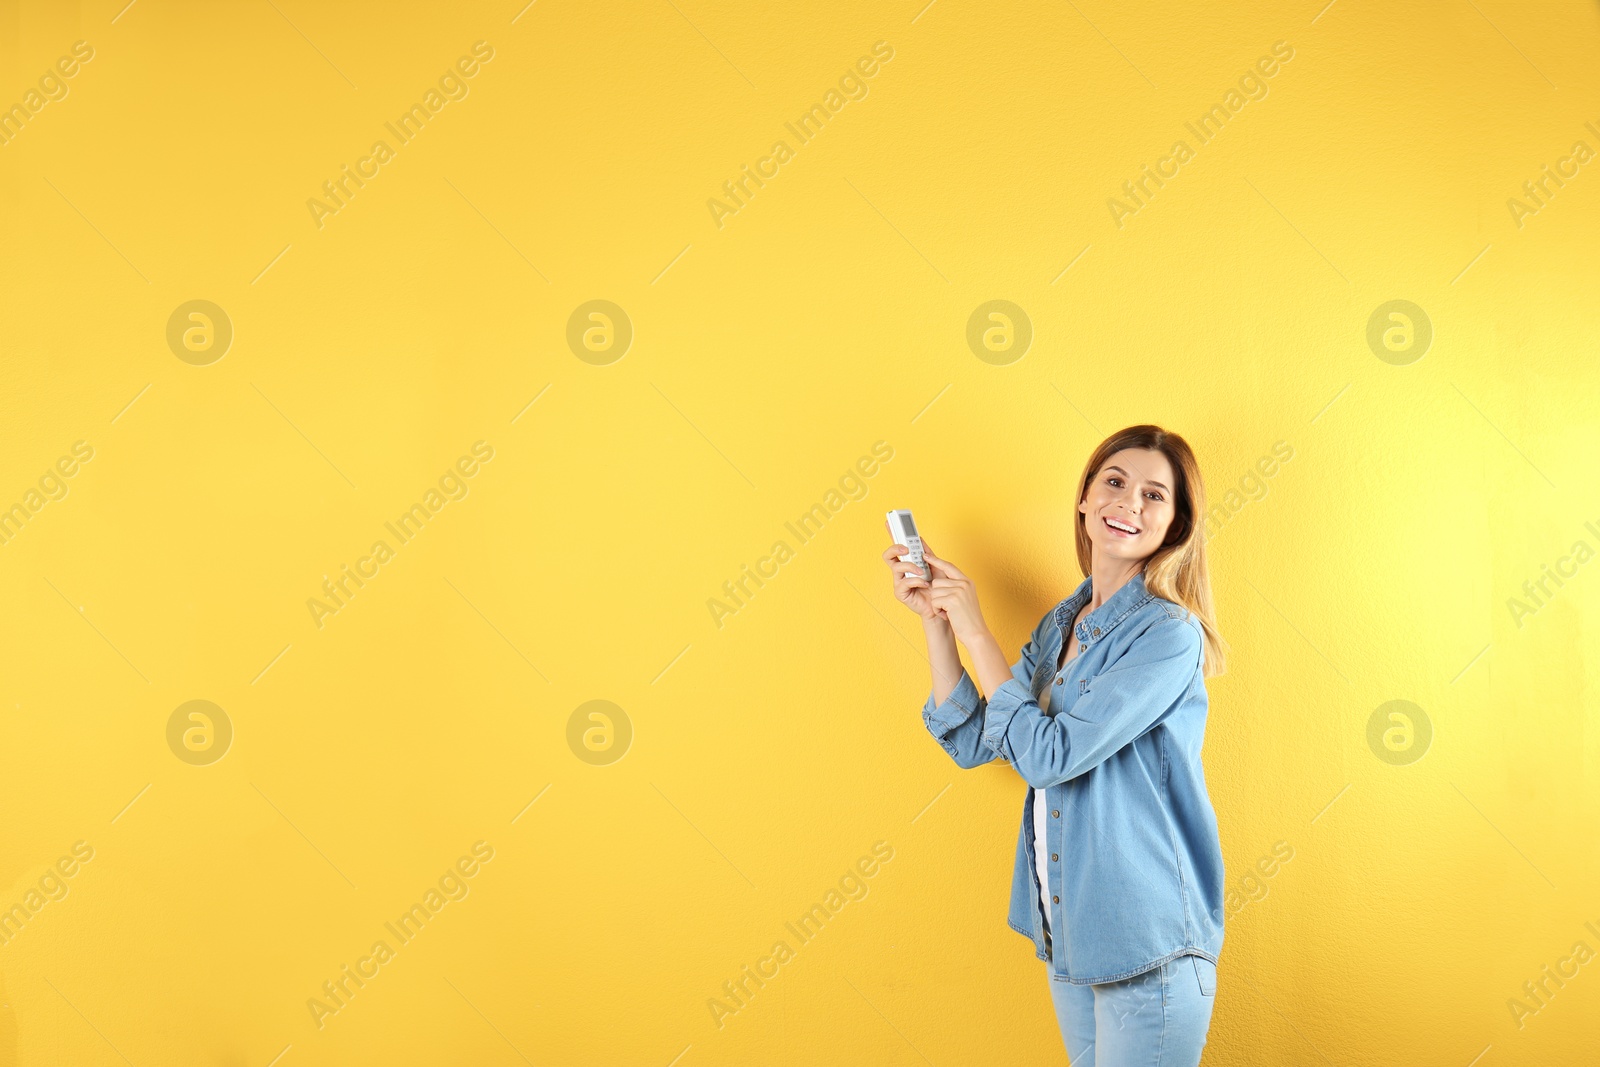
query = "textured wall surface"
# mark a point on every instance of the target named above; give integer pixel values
(384, 384)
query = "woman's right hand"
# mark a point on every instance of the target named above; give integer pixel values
(910, 587)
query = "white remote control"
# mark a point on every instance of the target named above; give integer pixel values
(904, 531)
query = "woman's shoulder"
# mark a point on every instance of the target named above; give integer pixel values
(1168, 620)
(1173, 610)
(1150, 615)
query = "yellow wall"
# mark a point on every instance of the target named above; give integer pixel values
(373, 347)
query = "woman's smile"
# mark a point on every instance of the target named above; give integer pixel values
(1121, 527)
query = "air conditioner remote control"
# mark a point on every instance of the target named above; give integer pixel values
(904, 530)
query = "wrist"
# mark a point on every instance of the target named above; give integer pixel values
(977, 637)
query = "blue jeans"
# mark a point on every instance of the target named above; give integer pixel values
(1155, 1019)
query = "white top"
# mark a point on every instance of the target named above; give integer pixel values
(1040, 850)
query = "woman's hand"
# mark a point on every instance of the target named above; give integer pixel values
(954, 596)
(910, 587)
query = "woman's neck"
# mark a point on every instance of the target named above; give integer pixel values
(1107, 575)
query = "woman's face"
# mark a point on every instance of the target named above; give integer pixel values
(1136, 489)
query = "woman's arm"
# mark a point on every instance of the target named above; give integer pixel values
(1121, 703)
(943, 658)
(954, 595)
(954, 710)
(990, 662)
(955, 715)
(958, 720)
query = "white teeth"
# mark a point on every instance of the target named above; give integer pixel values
(1115, 525)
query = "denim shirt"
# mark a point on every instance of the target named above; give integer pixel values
(1139, 863)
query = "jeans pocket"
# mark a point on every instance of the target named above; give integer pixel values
(1206, 972)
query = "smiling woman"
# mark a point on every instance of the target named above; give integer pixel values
(1106, 758)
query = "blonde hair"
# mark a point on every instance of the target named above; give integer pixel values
(1177, 571)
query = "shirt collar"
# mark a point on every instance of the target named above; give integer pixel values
(1102, 620)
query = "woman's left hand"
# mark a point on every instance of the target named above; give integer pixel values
(954, 594)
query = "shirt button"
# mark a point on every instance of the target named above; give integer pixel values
(1058, 681)
(1056, 814)
(1081, 647)
(1097, 631)
(1055, 900)
(1054, 856)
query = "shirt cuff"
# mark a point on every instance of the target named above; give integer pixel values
(1004, 703)
(957, 708)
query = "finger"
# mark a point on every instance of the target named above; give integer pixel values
(950, 569)
(891, 554)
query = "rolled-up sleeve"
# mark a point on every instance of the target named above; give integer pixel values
(958, 722)
(1122, 702)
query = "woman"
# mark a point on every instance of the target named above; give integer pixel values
(1119, 877)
